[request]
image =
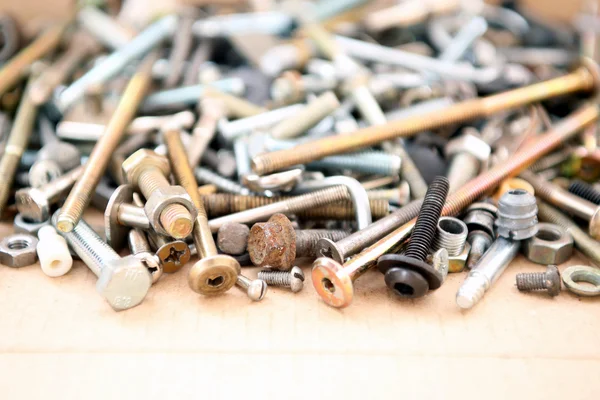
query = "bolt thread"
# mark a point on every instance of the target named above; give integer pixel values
(531, 281)
(276, 278)
(552, 160)
(585, 191)
(138, 242)
(585, 244)
(454, 243)
(204, 175)
(470, 292)
(150, 180)
(176, 220)
(344, 211)
(317, 198)
(427, 220)
(376, 163)
(306, 240)
(543, 189)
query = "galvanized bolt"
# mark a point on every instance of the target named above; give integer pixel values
(293, 279)
(548, 281)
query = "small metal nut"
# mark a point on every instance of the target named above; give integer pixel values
(163, 197)
(24, 225)
(581, 273)
(18, 250)
(457, 263)
(551, 245)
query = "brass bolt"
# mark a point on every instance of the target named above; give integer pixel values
(214, 273)
(83, 190)
(585, 78)
(334, 281)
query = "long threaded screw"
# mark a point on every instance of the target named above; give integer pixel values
(582, 79)
(533, 281)
(293, 279)
(82, 192)
(585, 191)
(408, 275)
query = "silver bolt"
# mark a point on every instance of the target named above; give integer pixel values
(270, 23)
(256, 288)
(293, 279)
(205, 176)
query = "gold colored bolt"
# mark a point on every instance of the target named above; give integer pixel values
(585, 78)
(334, 281)
(83, 190)
(214, 273)
(12, 71)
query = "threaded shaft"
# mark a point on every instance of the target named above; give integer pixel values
(471, 292)
(585, 244)
(176, 220)
(205, 175)
(138, 242)
(426, 225)
(376, 163)
(316, 198)
(527, 282)
(306, 240)
(150, 180)
(344, 211)
(585, 191)
(276, 278)
(451, 234)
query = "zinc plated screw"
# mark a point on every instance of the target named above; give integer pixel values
(214, 273)
(480, 242)
(17, 142)
(12, 71)
(548, 281)
(109, 67)
(334, 281)
(585, 191)
(293, 279)
(588, 246)
(256, 289)
(559, 197)
(583, 79)
(123, 282)
(98, 160)
(376, 163)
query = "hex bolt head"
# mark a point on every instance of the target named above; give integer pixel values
(126, 275)
(548, 281)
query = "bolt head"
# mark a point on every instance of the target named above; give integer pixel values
(332, 283)
(257, 289)
(296, 279)
(124, 282)
(272, 244)
(173, 255)
(214, 275)
(152, 264)
(32, 204)
(553, 280)
(141, 159)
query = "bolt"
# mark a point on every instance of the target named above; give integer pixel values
(98, 160)
(293, 279)
(306, 118)
(204, 130)
(291, 86)
(334, 281)
(114, 63)
(138, 244)
(588, 246)
(255, 288)
(376, 163)
(548, 281)
(12, 71)
(123, 282)
(480, 242)
(574, 204)
(16, 144)
(408, 275)
(104, 28)
(232, 238)
(214, 273)
(222, 161)
(468, 153)
(583, 79)
(585, 191)
(182, 44)
(398, 196)
(275, 244)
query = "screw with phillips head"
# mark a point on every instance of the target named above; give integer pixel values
(548, 281)
(293, 279)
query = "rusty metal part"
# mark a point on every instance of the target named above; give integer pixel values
(232, 238)
(585, 78)
(334, 282)
(548, 281)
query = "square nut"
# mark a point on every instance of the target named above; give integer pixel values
(457, 263)
(551, 245)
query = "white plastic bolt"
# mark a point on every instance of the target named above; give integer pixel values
(53, 252)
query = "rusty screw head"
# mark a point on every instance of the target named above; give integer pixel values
(272, 244)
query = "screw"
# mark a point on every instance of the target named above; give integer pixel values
(214, 273)
(581, 79)
(222, 161)
(138, 244)
(548, 281)
(98, 160)
(182, 44)
(114, 63)
(275, 244)
(173, 254)
(205, 129)
(123, 282)
(104, 28)
(16, 144)
(12, 71)
(334, 282)
(408, 275)
(291, 86)
(397, 196)
(376, 163)
(559, 197)
(293, 279)
(255, 288)
(585, 191)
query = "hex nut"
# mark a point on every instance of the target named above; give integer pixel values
(140, 160)
(18, 250)
(25, 225)
(457, 263)
(551, 245)
(163, 197)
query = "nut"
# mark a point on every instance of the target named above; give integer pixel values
(24, 225)
(582, 273)
(457, 263)
(163, 197)
(18, 250)
(551, 245)
(124, 282)
(142, 159)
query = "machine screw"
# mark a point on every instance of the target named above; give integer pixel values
(214, 273)
(583, 79)
(123, 282)
(377, 163)
(548, 281)
(173, 254)
(139, 246)
(585, 191)
(306, 118)
(275, 244)
(256, 289)
(293, 279)
(408, 275)
(99, 159)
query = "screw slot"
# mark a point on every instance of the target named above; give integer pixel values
(328, 285)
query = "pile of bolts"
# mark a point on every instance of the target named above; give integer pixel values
(420, 138)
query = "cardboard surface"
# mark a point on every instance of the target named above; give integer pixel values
(60, 338)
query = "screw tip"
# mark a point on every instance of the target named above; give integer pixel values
(65, 224)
